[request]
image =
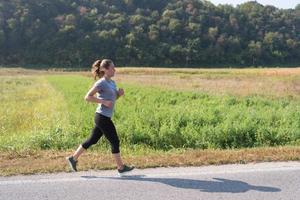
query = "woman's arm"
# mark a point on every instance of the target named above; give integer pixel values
(90, 97)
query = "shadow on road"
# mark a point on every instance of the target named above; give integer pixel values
(218, 185)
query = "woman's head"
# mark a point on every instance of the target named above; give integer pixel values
(102, 68)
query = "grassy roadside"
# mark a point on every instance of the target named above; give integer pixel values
(60, 104)
(31, 162)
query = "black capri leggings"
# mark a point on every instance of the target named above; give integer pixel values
(103, 125)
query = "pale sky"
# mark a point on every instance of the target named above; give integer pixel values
(277, 3)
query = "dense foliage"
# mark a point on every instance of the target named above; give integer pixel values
(147, 32)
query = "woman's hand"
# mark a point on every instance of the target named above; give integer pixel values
(107, 103)
(120, 92)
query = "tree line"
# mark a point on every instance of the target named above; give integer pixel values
(73, 33)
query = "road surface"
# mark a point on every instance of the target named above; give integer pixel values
(267, 181)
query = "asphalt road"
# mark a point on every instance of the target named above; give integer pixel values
(262, 181)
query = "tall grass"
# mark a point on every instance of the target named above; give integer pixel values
(30, 112)
(164, 119)
(50, 113)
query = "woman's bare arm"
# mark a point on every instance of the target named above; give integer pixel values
(90, 97)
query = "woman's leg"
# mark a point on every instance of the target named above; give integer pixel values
(78, 152)
(109, 131)
(118, 160)
(95, 136)
(93, 139)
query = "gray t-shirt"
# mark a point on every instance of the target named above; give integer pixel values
(107, 90)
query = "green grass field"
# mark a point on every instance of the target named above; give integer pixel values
(48, 112)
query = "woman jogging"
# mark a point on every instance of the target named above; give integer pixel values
(108, 93)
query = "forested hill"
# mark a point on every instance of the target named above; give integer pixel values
(147, 33)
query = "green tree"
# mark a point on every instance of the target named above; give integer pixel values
(255, 51)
